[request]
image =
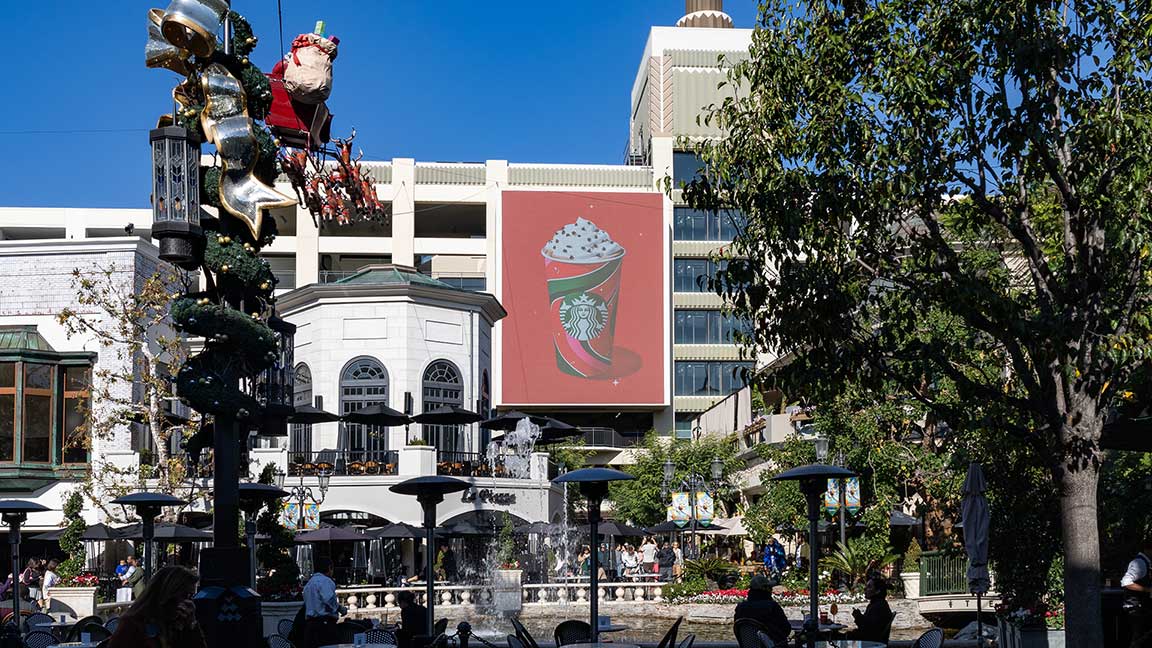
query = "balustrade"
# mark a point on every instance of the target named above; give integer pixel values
(366, 599)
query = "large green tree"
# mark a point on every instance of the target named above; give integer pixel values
(984, 162)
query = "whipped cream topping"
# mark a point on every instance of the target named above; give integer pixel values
(582, 241)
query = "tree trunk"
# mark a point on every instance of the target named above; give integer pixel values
(1079, 524)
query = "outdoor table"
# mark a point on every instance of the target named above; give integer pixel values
(601, 644)
(75, 644)
(615, 627)
(371, 645)
(848, 643)
(824, 628)
(57, 627)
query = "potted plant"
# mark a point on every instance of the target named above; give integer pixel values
(910, 571)
(75, 594)
(281, 593)
(1032, 627)
(507, 595)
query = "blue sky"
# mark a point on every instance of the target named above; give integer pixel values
(457, 80)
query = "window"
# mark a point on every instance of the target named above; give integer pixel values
(686, 165)
(77, 400)
(364, 382)
(301, 433)
(684, 424)
(706, 327)
(691, 275)
(442, 386)
(709, 378)
(39, 381)
(8, 411)
(701, 225)
(485, 408)
(471, 284)
(43, 412)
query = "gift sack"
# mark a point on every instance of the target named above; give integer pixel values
(308, 73)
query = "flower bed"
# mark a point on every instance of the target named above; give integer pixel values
(785, 597)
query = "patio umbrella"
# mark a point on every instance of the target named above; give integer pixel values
(976, 521)
(447, 415)
(670, 526)
(331, 534)
(398, 530)
(166, 532)
(98, 532)
(537, 527)
(610, 528)
(381, 415)
(308, 415)
(465, 528)
(556, 426)
(506, 421)
(897, 519)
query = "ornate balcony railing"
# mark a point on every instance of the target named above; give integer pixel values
(466, 464)
(367, 599)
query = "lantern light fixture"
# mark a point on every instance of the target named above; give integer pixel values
(176, 195)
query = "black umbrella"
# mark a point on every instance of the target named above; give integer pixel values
(610, 528)
(166, 532)
(977, 516)
(506, 421)
(669, 526)
(331, 534)
(381, 415)
(98, 532)
(308, 415)
(538, 527)
(549, 424)
(398, 530)
(447, 415)
(464, 528)
(898, 519)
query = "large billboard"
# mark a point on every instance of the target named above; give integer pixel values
(583, 283)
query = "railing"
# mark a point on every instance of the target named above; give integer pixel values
(384, 598)
(332, 276)
(285, 280)
(466, 464)
(343, 462)
(605, 437)
(450, 173)
(580, 175)
(942, 573)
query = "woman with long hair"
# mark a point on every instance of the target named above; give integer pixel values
(163, 616)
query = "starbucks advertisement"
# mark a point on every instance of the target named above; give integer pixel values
(583, 283)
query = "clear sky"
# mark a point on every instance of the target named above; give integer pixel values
(456, 80)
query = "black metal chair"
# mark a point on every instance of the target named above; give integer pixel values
(440, 628)
(111, 624)
(95, 631)
(934, 638)
(886, 635)
(284, 627)
(37, 619)
(572, 631)
(687, 642)
(747, 632)
(276, 641)
(669, 640)
(40, 639)
(515, 642)
(381, 636)
(765, 640)
(82, 626)
(522, 633)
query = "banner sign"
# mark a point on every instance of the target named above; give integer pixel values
(681, 508)
(705, 507)
(290, 516)
(851, 495)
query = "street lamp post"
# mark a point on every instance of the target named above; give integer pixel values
(841, 484)
(693, 483)
(593, 486)
(14, 513)
(302, 494)
(252, 497)
(147, 507)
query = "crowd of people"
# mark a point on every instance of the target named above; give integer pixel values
(33, 585)
(626, 562)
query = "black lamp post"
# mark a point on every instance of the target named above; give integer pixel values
(813, 480)
(302, 494)
(593, 486)
(693, 483)
(176, 195)
(276, 386)
(252, 498)
(14, 513)
(430, 491)
(147, 507)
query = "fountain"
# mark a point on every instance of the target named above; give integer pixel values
(514, 451)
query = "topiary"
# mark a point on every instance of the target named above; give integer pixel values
(283, 580)
(911, 558)
(71, 541)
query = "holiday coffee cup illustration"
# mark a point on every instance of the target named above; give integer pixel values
(582, 265)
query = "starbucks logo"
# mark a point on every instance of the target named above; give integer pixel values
(583, 316)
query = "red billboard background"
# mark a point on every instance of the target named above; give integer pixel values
(586, 320)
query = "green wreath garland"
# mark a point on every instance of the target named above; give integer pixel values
(236, 265)
(227, 330)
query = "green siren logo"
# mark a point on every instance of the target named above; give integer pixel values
(584, 316)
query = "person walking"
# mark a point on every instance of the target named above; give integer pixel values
(321, 608)
(163, 616)
(762, 608)
(774, 558)
(678, 568)
(31, 578)
(135, 578)
(666, 560)
(648, 555)
(1137, 584)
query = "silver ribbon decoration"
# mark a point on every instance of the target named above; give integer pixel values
(192, 24)
(226, 124)
(158, 52)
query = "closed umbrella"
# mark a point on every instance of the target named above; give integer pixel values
(977, 517)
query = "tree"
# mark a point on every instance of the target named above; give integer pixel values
(126, 314)
(983, 165)
(639, 500)
(70, 540)
(283, 580)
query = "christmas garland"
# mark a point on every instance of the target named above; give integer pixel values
(227, 330)
(236, 265)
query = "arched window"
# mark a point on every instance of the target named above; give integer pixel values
(301, 439)
(364, 382)
(442, 386)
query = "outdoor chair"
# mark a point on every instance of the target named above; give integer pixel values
(40, 639)
(276, 641)
(687, 641)
(669, 640)
(526, 637)
(284, 627)
(887, 634)
(514, 642)
(747, 632)
(381, 636)
(934, 638)
(37, 619)
(110, 624)
(440, 627)
(765, 640)
(572, 631)
(83, 626)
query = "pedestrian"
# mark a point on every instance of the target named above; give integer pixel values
(135, 577)
(1137, 584)
(763, 609)
(666, 560)
(648, 555)
(678, 568)
(321, 609)
(875, 622)
(618, 562)
(630, 560)
(163, 616)
(774, 557)
(802, 554)
(122, 569)
(31, 579)
(584, 561)
(603, 562)
(413, 619)
(448, 563)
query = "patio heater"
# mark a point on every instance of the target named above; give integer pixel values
(148, 506)
(430, 491)
(252, 498)
(813, 480)
(14, 513)
(593, 484)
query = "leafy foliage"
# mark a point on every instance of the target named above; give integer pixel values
(708, 567)
(506, 543)
(856, 560)
(283, 581)
(70, 542)
(912, 557)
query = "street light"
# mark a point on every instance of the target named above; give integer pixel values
(813, 480)
(594, 486)
(302, 494)
(14, 513)
(147, 507)
(252, 498)
(693, 483)
(176, 195)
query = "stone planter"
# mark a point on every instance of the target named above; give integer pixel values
(272, 613)
(1014, 636)
(911, 582)
(507, 591)
(75, 601)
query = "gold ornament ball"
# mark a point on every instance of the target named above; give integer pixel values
(224, 268)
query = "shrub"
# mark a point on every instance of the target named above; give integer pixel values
(912, 557)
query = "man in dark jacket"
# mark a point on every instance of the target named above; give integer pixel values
(413, 619)
(666, 559)
(762, 608)
(874, 623)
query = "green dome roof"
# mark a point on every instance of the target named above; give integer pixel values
(390, 274)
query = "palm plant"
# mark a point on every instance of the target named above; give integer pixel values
(856, 559)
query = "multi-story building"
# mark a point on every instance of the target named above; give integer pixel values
(619, 339)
